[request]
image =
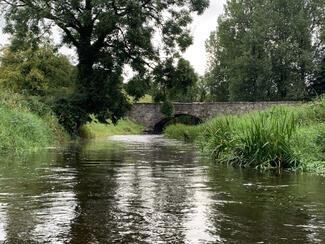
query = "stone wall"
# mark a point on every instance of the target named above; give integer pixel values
(148, 114)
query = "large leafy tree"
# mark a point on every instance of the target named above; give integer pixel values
(266, 49)
(107, 35)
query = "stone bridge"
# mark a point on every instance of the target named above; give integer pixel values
(149, 115)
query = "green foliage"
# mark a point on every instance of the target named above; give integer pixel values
(265, 50)
(309, 145)
(183, 132)
(266, 140)
(167, 109)
(137, 87)
(174, 82)
(185, 83)
(146, 99)
(107, 35)
(27, 124)
(35, 71)
(280, 137)
(317, 86)
(216, 86)
(70, 115)
(95, 129)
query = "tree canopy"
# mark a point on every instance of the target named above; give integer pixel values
(107, 35)
(36, 72)
(266, 49)
(173, 81)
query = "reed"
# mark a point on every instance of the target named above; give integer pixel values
(280, 137)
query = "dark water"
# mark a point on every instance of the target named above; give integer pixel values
(145, 189)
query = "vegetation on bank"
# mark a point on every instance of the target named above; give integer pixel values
(280, 137)
(100, 130)
(27, 124)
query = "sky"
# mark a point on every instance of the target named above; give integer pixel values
(201, 28)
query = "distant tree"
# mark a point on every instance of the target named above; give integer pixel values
(35, 72)
(184, 83)
(107, 34)
(174, 81)
(265, 49)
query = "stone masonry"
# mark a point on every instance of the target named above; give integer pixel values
(148, 114)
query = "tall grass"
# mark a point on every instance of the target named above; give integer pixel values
(99, 130)
(27, 124)
(183, 132)
(279, 137)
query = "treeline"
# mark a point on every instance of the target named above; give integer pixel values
(107, 36)
(261, 50)
(267, 50)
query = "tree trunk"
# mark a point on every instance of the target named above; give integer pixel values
(85, 66)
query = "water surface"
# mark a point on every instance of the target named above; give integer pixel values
(147, 189)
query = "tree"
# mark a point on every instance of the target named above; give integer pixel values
(37, 72)
(174, 82)
(265, 49)
(184, 83)
(317, 86)
(107, 34)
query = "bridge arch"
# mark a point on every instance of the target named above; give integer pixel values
(149, 114)
(182, 118)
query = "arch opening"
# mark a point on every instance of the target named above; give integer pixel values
(176, 119)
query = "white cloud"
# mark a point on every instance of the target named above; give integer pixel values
(201, 29)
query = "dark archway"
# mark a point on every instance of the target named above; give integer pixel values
(176, 119)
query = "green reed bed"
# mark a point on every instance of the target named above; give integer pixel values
(280, 137)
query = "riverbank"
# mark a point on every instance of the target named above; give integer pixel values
(280, 137)
(95, 129)
(27, 124)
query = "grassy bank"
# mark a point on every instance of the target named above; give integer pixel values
(280, 137)
(98, 130)
(27, 124)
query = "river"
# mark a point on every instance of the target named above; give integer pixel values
(147, 189)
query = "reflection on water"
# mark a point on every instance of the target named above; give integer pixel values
(147, 189)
